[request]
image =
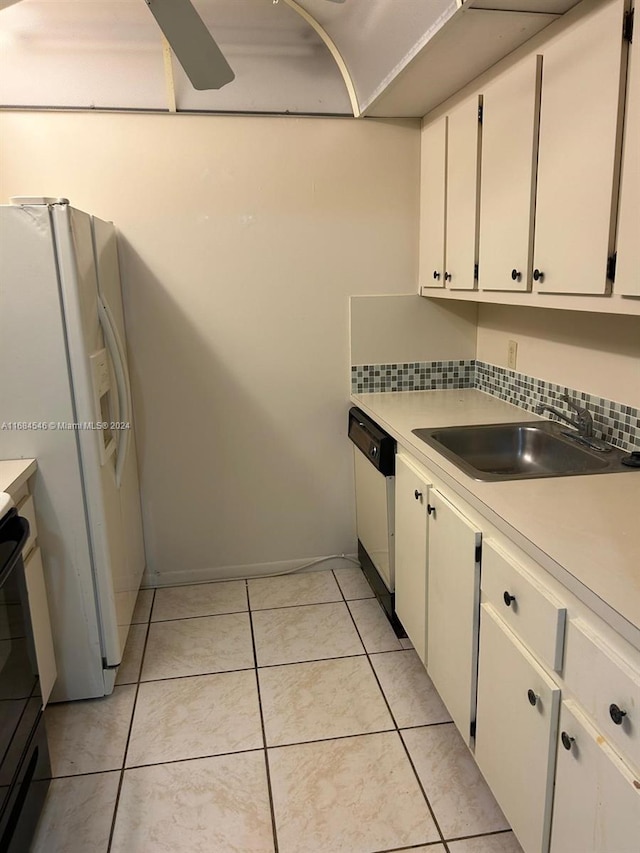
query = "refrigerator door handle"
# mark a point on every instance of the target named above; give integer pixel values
(116, 350)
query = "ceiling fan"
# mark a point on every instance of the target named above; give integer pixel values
(201, 58)
(194, 46)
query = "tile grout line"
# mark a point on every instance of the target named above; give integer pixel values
(133, 713)
(410, 847)
(397, 730)
(262, 726)
(255, 749)
(255, 609)
(424, 793)
(482, 835)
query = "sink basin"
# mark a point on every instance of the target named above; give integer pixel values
(519, 451)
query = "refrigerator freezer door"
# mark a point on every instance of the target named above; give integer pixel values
(128, 582)
(79, 288)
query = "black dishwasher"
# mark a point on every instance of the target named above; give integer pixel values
(25, 770)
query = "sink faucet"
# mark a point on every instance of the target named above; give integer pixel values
(583, 421)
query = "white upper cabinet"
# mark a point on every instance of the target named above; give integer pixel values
(511, 110)
(432, 203)
(450, 199)
(463, 195)
(627, 280)
(579, 135)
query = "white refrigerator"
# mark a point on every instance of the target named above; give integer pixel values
(65, 400)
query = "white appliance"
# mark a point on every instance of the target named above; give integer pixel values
(374, 469)
(64, 394)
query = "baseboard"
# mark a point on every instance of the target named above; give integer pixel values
(226, 573)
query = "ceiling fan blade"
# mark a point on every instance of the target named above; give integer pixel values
(192, 43)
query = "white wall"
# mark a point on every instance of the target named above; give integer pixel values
(389, 329)
(596, 353)
(241, 241)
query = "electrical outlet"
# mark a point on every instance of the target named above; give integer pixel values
(512, 354)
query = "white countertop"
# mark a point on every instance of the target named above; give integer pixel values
(584, 530)
(15, 472)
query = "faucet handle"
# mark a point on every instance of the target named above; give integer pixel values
(572, 405)
(585, 421)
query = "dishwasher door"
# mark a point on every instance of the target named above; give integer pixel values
(375, 516)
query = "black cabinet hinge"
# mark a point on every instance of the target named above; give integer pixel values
(611, 267)
(627, 27)
(481, 110)
(475, 272)
(478, 553)
(472, 728)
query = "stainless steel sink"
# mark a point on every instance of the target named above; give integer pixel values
(519, 451)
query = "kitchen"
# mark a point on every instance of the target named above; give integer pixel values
(241, 240)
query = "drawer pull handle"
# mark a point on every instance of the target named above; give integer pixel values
(567, 740)
(417, 495)
(532, 697)
(617, 714)
(431, 510)
(508, 598)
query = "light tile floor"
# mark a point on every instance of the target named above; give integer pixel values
(279, 715)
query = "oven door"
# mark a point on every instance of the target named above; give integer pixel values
(23, 751)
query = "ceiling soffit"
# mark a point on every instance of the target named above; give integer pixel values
(376, 57)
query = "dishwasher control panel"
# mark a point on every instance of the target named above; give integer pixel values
(377, 445)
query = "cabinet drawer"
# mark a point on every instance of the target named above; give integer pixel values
(597, 801)
(607, 686)
(528, 608)
(27, 510)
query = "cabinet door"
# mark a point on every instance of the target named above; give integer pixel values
(516, 731)
(579, 128)
(432, 203)
(463, 196)
(452, 611)
(628, 263)
(411, 554)
(597, 802)
(511, 110)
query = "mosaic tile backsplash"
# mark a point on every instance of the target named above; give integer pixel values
(615, 422)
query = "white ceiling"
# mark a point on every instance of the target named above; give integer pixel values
(108, 54)
(296, 56)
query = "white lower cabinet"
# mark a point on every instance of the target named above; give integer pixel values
(607, 686)
(597, 797)
(506, 645)
(411, 553)
(452, 608)
(516, 728)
